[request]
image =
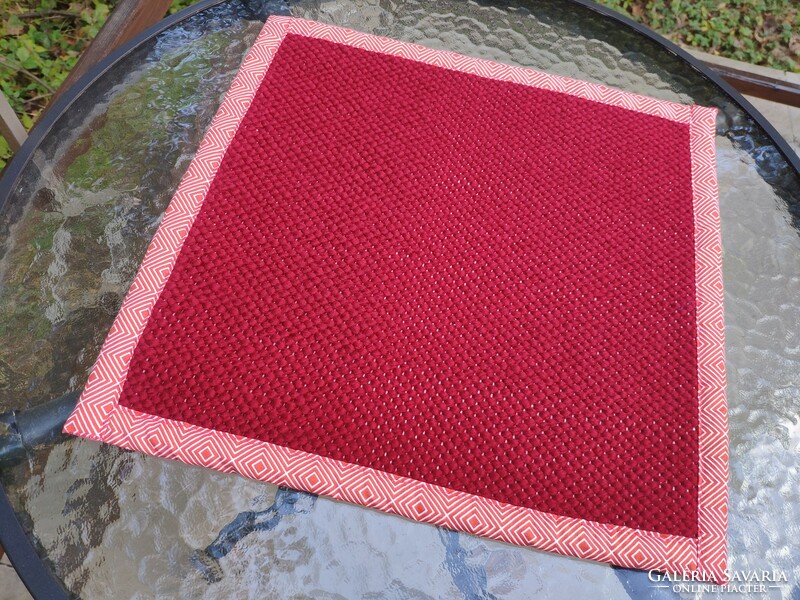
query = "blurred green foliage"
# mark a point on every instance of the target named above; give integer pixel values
(40, 40)
(761, 32)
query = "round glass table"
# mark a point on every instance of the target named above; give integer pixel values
(80, 202)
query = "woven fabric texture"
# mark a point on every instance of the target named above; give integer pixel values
(468, 282)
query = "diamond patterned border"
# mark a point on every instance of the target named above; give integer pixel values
(99, 416)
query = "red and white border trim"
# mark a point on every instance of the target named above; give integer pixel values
(99, 415)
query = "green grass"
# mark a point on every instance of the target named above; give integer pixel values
(40, 40)
(761, 32)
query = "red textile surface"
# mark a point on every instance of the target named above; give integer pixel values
(468, 282)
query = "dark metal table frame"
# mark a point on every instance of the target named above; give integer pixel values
(32, 569)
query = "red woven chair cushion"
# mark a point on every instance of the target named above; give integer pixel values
(468, 282)
(478, 296)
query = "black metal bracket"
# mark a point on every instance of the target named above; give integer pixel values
(33, 572)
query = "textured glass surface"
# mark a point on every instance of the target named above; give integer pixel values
(76, 228)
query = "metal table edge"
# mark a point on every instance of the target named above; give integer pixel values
(31, 568)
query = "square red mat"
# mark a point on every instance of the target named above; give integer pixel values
(468, 293)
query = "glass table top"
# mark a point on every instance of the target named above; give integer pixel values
(85, 206)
